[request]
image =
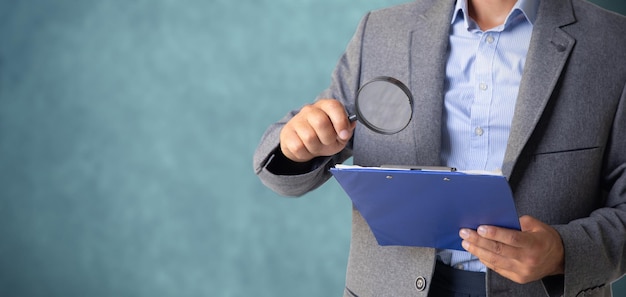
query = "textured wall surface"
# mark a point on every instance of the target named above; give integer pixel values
(127, 129)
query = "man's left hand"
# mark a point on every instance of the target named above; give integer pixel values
(521, 256)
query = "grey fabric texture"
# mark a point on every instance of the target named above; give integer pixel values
(565, 158)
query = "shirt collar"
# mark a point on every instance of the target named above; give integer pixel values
(527, 7)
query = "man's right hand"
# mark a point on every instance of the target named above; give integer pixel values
(319, 129)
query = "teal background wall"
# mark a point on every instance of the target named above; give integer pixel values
(126, 135)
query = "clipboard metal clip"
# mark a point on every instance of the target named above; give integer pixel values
(421, 168)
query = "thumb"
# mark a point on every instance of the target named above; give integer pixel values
(529, 223)
(346, 134)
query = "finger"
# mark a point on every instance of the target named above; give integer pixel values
(511, 268)
(530, 224)
(314, 127)
(323, 129)
(293, 146)
(510, 237)
(494, 259)
(337, 114)
(312, 132)
(495, 255)
(309, 134)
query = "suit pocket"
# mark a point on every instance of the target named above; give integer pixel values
(348, 293)
(594, 292)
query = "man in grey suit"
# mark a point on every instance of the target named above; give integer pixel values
(534, 88)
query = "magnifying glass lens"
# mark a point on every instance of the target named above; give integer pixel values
(384, 105)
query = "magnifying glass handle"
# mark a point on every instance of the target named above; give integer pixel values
(352, 117)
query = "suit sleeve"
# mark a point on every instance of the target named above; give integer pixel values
(595, 252)
(268, 162)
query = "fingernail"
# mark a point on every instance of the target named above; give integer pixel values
(465, 244)
(464, 233)
(482, 230)
(344, 134)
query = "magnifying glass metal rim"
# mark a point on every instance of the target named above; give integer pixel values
(369, 124)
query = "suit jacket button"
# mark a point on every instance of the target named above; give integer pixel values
(420, 283)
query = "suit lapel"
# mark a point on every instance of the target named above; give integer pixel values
(428, 52)
(547, 55)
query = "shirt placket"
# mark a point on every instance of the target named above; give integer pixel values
(483, 96)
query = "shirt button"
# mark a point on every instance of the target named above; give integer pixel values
(420, 283)
(459, 267)
(479, 131)
(490, 39)
(483, 86)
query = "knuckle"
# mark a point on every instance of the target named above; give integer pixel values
(307, 137)
(323, 104)
(498, 248)
(329, 102)
(318, 120)
(306, 109)
(514, 238)
(294, 147)
(332, 106)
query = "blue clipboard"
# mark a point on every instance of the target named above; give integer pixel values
(427, 208)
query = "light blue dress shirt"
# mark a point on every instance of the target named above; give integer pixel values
(483, 75)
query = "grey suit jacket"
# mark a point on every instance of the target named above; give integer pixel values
(565, 158)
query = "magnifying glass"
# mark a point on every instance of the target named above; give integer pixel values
(384, 105)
